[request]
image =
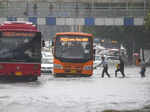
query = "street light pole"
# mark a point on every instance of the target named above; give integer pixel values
(127, 7)
(144, 8)
(92, 7)
(77, 13)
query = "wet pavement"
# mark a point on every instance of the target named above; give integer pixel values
(78, 94)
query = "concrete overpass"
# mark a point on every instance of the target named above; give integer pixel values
(88, 21)
(60, 15)
(74, 8)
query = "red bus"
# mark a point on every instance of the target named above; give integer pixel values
(20, 50)
(73, 54)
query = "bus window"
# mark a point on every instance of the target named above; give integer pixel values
(74, 47)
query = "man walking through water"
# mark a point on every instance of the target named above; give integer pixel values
(105, 67)
(120, 68)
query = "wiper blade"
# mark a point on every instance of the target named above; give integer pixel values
(11, 60)
(18, 60)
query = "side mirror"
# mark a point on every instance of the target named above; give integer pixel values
(39, 34)
(53, 47)
(43, 43)
(52, 43)
(94, 51)
(87, 46)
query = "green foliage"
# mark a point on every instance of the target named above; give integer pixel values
(147, 22)
(123, 111)
(111, 111)
(0, 4)
(91, 30)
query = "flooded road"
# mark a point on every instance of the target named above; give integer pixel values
(78, 94)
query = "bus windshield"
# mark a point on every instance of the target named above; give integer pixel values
(73, 47)
(19, 46)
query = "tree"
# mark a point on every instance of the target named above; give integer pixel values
(2, 7)
(147, 22)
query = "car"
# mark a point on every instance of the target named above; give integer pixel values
(112, 60)
(97, 60)
(112, 57)
(46, 66)
(47, 55)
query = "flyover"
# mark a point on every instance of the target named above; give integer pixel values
(53, 16)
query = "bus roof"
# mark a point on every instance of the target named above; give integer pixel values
(18, 26)
(74, 33)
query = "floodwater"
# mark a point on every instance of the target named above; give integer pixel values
(78, 94)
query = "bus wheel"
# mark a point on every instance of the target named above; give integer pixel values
(86, 75)
(59, 75)
(56, 75)
(33, 78)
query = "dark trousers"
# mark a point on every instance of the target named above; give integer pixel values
(105, 70)
(143, 72)
(122, 72)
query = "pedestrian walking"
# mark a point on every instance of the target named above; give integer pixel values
(143, 68)
(105, 67)
(120, 68)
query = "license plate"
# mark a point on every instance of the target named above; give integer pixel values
(73, 71)
(18, 73)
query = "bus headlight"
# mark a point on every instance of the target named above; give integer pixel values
(89, 67)
(58, 66)
(18, 68)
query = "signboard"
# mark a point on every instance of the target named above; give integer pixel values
(18, 34)
(74, 39)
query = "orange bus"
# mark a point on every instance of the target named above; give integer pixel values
(73, 54)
